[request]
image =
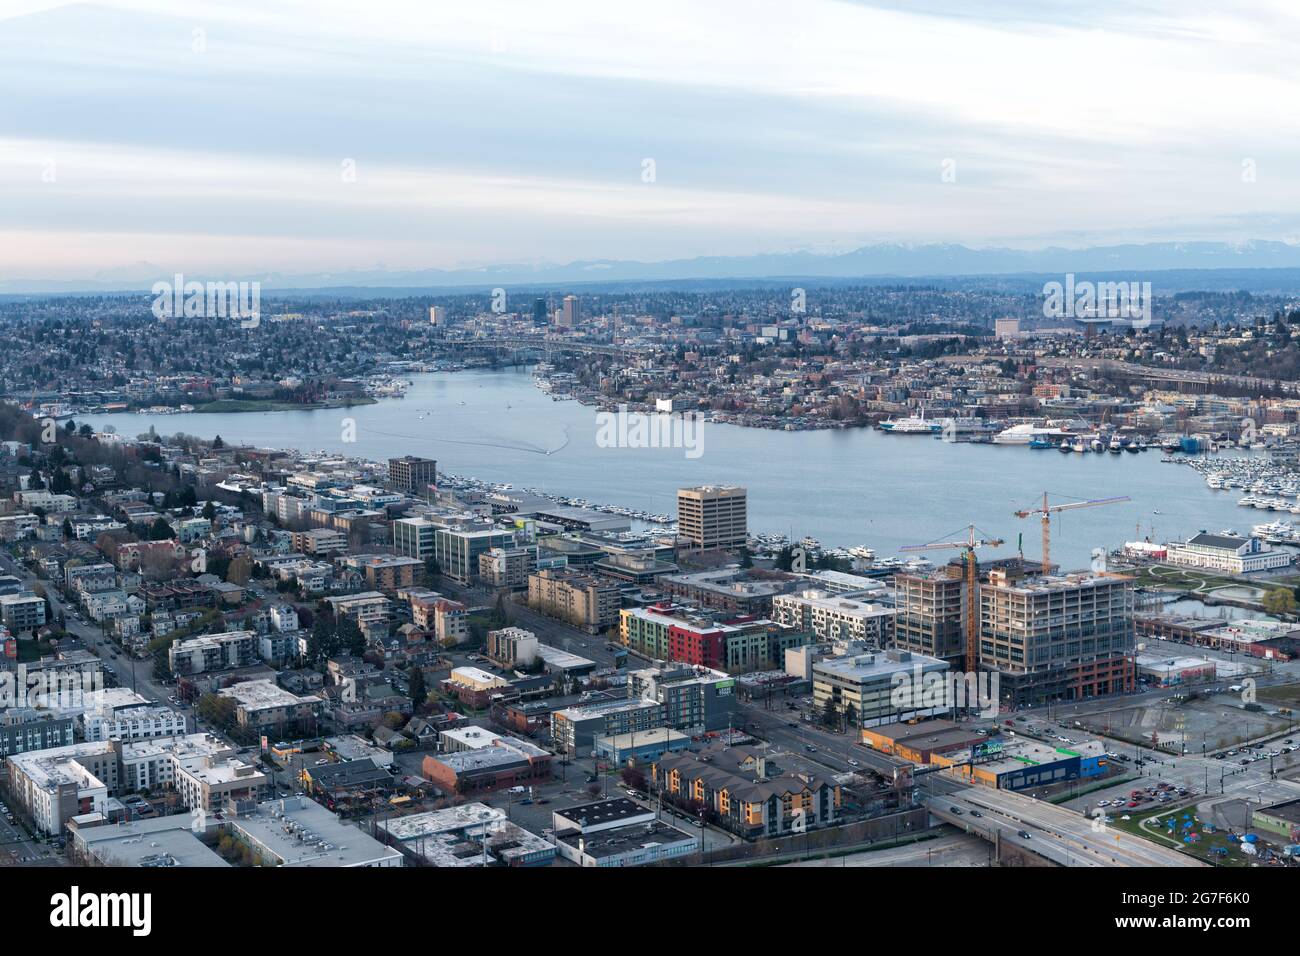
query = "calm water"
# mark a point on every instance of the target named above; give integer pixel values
(844, 487)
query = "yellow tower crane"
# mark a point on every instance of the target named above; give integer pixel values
(1046, 512)
(969, 546)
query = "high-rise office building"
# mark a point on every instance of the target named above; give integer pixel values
(569, 312)
(412, 475)
(713, 516)
(437, 315)
(539, 312)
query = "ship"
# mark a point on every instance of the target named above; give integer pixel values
(912, 425)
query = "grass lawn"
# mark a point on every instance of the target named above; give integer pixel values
(1202, 849)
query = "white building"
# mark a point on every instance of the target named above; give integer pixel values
(834, 617)
(1221, 552)
(133, 723)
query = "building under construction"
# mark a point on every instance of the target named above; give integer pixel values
(1050, 638)
(932, 607)
(1063, 637)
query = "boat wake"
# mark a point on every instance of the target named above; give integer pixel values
(507, 444)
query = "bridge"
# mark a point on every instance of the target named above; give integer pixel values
(548, 344)
(1174, 376)
(1062, 836)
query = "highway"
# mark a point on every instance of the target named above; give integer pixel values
(1065, 837)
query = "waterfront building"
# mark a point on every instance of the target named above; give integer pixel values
(713, 516)
(412, 475)
(1221, 552)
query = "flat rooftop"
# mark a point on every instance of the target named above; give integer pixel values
(261, 694)
(418, 825)
(628, 839)
(601, 813)
(158, 842)
(300, 832)
(863, 667)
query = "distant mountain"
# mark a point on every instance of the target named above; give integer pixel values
(928, 261)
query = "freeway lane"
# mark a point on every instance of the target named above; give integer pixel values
(1073, 833)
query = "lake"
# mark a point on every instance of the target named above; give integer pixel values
(843, 487)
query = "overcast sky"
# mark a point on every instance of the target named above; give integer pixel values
(211, 137)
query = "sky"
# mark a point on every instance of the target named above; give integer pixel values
(226, 138)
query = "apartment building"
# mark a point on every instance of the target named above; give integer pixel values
(836, 617)
(320, 541)
(583, 600)
(212, 652)
(507, 568)
(734, 785)
(264, 707)
(22, 612)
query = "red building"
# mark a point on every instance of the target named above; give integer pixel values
(705, 647)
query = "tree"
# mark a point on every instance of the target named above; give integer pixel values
(350, 638)
(829, 716)
(209, 510)
(1280, 601)
(419, 692)
(240, 570)
(160, 529)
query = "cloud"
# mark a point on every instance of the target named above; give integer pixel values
(517, 131)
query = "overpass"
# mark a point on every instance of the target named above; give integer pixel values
(1173, 376)
(1061, 836)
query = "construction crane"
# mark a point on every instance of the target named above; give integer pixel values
(969, 546)
(1047, 510)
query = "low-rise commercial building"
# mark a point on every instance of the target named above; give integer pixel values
(618, 832)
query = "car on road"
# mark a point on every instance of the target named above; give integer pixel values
(810, 748)
(854, 763)
(956, 810)
(1023, 834)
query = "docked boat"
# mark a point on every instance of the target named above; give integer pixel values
(912, 425)
(1027, 433)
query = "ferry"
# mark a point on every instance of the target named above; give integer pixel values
(912, 425)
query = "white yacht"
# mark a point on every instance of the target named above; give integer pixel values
(1026, 432)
